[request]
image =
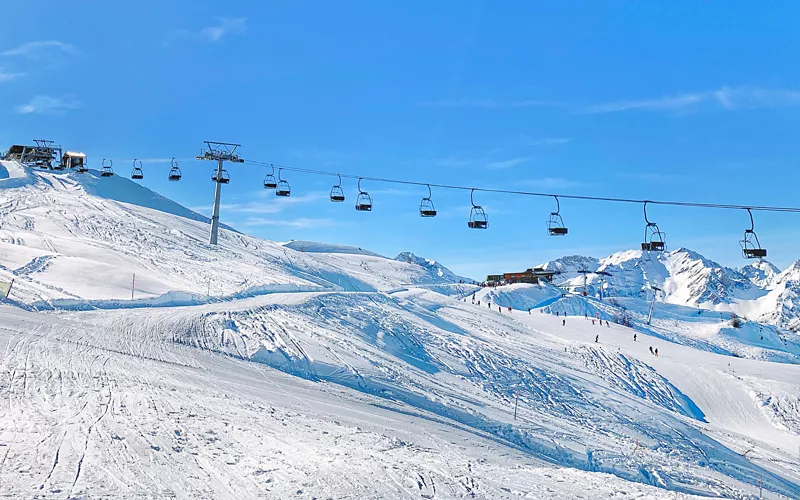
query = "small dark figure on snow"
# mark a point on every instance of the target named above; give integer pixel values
(563, 322)
(597, 338)
(608, 324)
(479, 302)
(634, 337)
(556, 314)
(651, 349)
(529, 310)
(656, 351)
(592, 321)
(499, 309)
(509, 308)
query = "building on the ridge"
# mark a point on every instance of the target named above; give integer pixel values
(533, 275)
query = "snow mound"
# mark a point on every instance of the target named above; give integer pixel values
(315, 247)
(433, 267)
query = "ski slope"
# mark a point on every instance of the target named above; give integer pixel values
(322, 371)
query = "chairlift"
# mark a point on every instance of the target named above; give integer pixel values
(337, 195)
(364, 201)
(477, 216)
(654, 238)
(269, 179)
(107, 170)
(282, 188)
(426, 208)
(174, 171)
(137, 173)
(555, 224)
(223, 178)
(751, 247)
(81, 168)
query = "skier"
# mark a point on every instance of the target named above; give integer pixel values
(479, 302)
(529, 310)
(651, 349)
(597, 338)
(556, 314)
(656, 351)
(490, 305)
(509, 309)
(634, 337)
(593, 322)
(563, 322)
(499, 309)
(608, 324)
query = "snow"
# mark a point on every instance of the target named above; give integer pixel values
(322, 371)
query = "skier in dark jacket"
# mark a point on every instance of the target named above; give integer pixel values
(597, 338)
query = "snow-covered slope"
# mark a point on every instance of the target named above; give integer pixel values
(433, 267)
(72, 239)
(324, 372)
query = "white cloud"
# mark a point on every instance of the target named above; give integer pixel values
(504, 164)
(549, 183)
(226, 26)
(725, 97)
(46, 105)
(670, 103)
(5, 77)
(37, 50)
(453, 161)
(303, 222)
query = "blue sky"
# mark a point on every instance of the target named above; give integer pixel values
(679, 100)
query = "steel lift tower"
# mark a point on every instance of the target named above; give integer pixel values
(219, 152)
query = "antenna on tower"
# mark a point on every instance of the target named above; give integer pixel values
(219, 152)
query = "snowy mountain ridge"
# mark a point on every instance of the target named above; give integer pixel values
(685, 277)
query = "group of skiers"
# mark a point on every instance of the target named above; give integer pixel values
(598, 321)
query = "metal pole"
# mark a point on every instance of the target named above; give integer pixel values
(133, 285)
(217, 196)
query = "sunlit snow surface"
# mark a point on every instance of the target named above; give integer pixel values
(323, 372)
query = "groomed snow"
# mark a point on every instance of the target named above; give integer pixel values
(333, 374)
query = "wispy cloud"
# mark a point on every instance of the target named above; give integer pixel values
(40, 49)
(301, 223)
(489, 103)
(5, 77)
(266, 203)
(504, 164)
(550, 183)
(225, 26)
(46, 105)
(453, 161)
(725, 97)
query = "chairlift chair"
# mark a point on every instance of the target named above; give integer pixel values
(269, 179)
(751, 247)
(224, 177)
(477, 216)
(174, 171)
(555, 224)
(107, 170)
(654, 238)
(363, 201)
(426, 208)
(337, 195)
(282, 188)
(81, 168)
(137, 173)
